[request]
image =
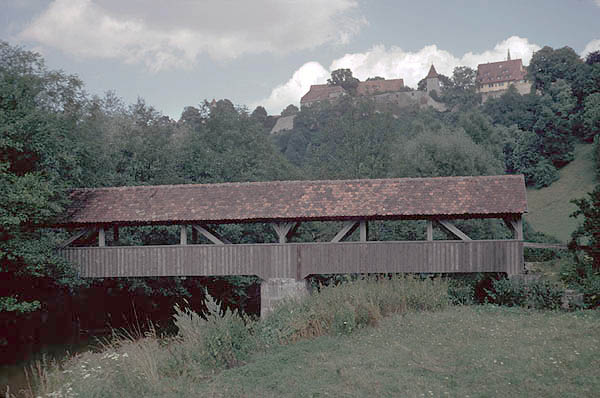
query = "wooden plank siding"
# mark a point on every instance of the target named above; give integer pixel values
(298, 260)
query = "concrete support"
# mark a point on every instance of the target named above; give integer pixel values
(183, 235)
(274, 290)
(429, 230)
(101, 237)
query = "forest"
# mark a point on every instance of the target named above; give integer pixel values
(55, 136)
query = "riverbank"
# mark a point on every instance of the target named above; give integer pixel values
(366, 338)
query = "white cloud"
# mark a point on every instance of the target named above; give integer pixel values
(592, 46)
(173, 34)
(597, 2)
(394, 63)
(291, 91)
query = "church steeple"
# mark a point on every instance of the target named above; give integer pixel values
(508, 55)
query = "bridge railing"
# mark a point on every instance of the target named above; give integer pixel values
(298, 260)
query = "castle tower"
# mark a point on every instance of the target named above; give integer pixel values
(508, 55)
(433, 81)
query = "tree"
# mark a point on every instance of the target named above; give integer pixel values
(587, 236)
(39, 111)
(443, 153)
(593, 58)
(591, 115)
(290, 110)
(548, 65)
(344, 79)
(460, 91)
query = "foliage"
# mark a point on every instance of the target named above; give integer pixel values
(587, 236)
(221, 338)
(444, 153)
(345, 307)
(344, 79)
(38, 162)
(548, 66)
(580, 275)
(460, 91)
(537, 294)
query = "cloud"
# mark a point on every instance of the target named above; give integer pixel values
(393, 63)
(592, 46)
(174, 34)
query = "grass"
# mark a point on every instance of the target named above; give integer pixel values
(550, 207)
(371, 337)
(461, 351)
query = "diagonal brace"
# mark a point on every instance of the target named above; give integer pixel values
(347, 229)
(211, 234)
(452, 228)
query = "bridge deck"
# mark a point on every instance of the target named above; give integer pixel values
(298, 260)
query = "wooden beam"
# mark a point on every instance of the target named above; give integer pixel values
(515, 224)
(364, 231)
(452, 228)
(285, 230)
(429, 230)
(183, 235)
(73, 238)
(211, 234)
(101, 237)
(347, 229)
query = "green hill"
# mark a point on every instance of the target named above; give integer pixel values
(549, 207)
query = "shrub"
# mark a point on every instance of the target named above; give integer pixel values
(344, 307)
(222, 338)
(538, 294)
(581, 276)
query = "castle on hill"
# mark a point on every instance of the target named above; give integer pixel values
(382, 91)
(493, 79)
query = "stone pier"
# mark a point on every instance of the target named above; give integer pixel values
(273, 290)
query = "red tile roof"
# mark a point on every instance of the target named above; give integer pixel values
(432, 73)
(321, 92)
(300, 200)
(372, 87)
(503, 71)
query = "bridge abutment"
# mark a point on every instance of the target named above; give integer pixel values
(274, 290)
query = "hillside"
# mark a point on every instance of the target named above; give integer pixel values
(549, 207)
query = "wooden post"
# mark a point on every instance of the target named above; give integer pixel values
(101, 237)
(183, 235)
(519, 228)
(429, 230)
(364, 231)
(116, 233)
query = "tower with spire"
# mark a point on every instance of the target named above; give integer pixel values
(508, 55)
(432, 80)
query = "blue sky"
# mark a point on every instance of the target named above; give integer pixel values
(266, 52)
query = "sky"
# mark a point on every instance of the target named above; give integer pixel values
(178, 53)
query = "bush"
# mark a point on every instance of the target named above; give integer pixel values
(222, 339)
(344, 307)
(538, 294)
(581, 276)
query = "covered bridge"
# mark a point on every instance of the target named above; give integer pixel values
(200, 208)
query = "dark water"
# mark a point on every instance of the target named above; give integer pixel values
(17, 376)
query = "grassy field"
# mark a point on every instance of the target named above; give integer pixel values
(459, 352)
(471, 351)
(549, 207)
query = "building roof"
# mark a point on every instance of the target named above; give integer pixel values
(321, 92)
(503, 71)
(432, 73)
(372, 87)
(485, 196)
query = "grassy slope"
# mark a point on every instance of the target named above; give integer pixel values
(549, 207)
(462, 351)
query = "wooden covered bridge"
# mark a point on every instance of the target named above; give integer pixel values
(286, 204)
